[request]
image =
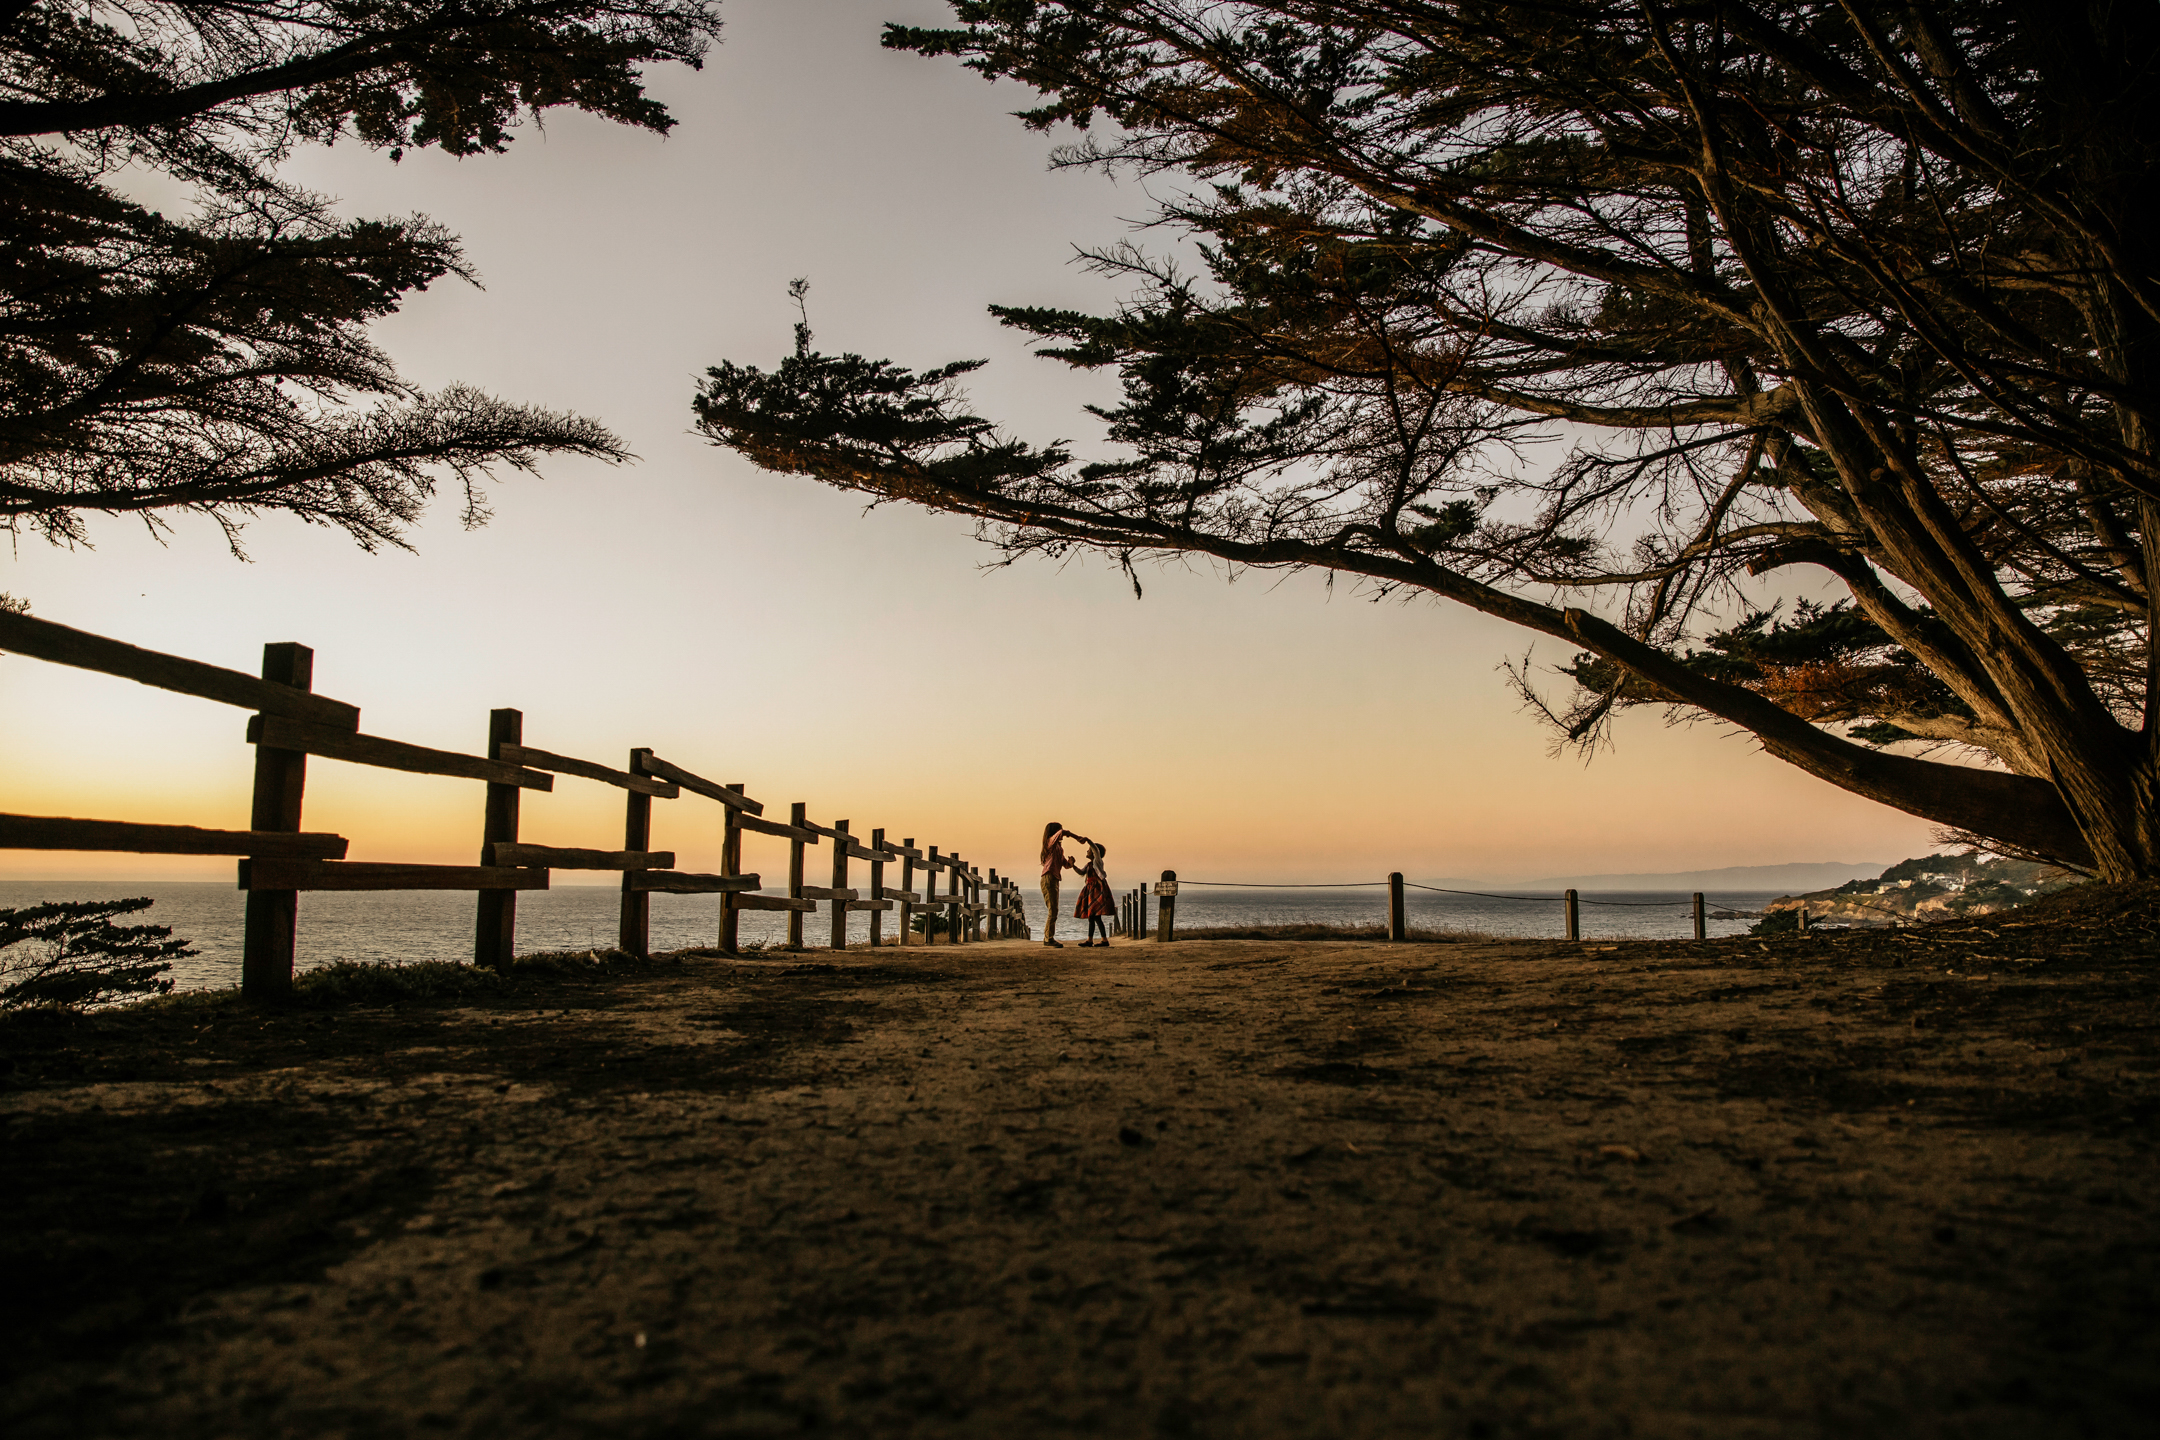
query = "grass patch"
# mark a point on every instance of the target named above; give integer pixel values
(348, 983)
(1312, 930)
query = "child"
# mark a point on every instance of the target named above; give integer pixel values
(1096, 904)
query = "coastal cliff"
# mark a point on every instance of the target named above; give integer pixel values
(1934, 887)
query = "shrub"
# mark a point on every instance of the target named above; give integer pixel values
(351, 982)
(70, 954)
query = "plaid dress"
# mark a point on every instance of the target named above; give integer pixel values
(1095, 898)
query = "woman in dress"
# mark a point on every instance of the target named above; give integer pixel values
(1096, 904)
(1054, 863)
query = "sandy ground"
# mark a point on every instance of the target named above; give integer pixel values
(1221, 1188)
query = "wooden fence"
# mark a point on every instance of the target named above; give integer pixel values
(280, 859)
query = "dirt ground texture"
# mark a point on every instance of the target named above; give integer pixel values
(1872, 1185)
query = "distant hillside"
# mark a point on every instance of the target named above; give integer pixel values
(1933, 887)
(1817, 874)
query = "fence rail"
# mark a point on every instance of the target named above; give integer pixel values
(278, 860)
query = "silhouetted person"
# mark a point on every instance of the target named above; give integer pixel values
(1055, 862)
(1096, 905)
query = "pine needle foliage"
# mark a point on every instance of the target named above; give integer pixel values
(1858, 291)
(70, 955)
(218, 361)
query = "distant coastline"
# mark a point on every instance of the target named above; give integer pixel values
(1804, 875)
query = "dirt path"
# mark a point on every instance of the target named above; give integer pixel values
(1234, 1188)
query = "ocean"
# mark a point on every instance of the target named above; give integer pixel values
(402, 926)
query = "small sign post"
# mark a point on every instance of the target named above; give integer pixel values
(1165, 923)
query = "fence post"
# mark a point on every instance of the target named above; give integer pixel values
(495, 925)
(930, 905)
(1165, 925)
(997, 891)
(634, 934)
(731, 864)
(907, 887)
(1395, 927)
(273, 916)
(1803, 919)
(796, 816)
(1140, 912)
(1574, 917)
(877, 886)
(839, 882)
(1701, 931)
(954, 888)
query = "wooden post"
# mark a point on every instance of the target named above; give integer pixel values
(1701, 931)
(273, 916)
(730, 864)
(1166, 922)
(1574, 916)
(635, 933)
(877, 885)
(1140, 912)
(956, 881)
(839, 882)
(1803, 919)
(495, 927)
(1395, 928)
(997, 898)
(796, 815)
(907, 886)
(931, 909)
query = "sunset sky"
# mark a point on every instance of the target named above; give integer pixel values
(764, 628)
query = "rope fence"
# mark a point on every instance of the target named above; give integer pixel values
(1414, 885)
(1133, 912)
